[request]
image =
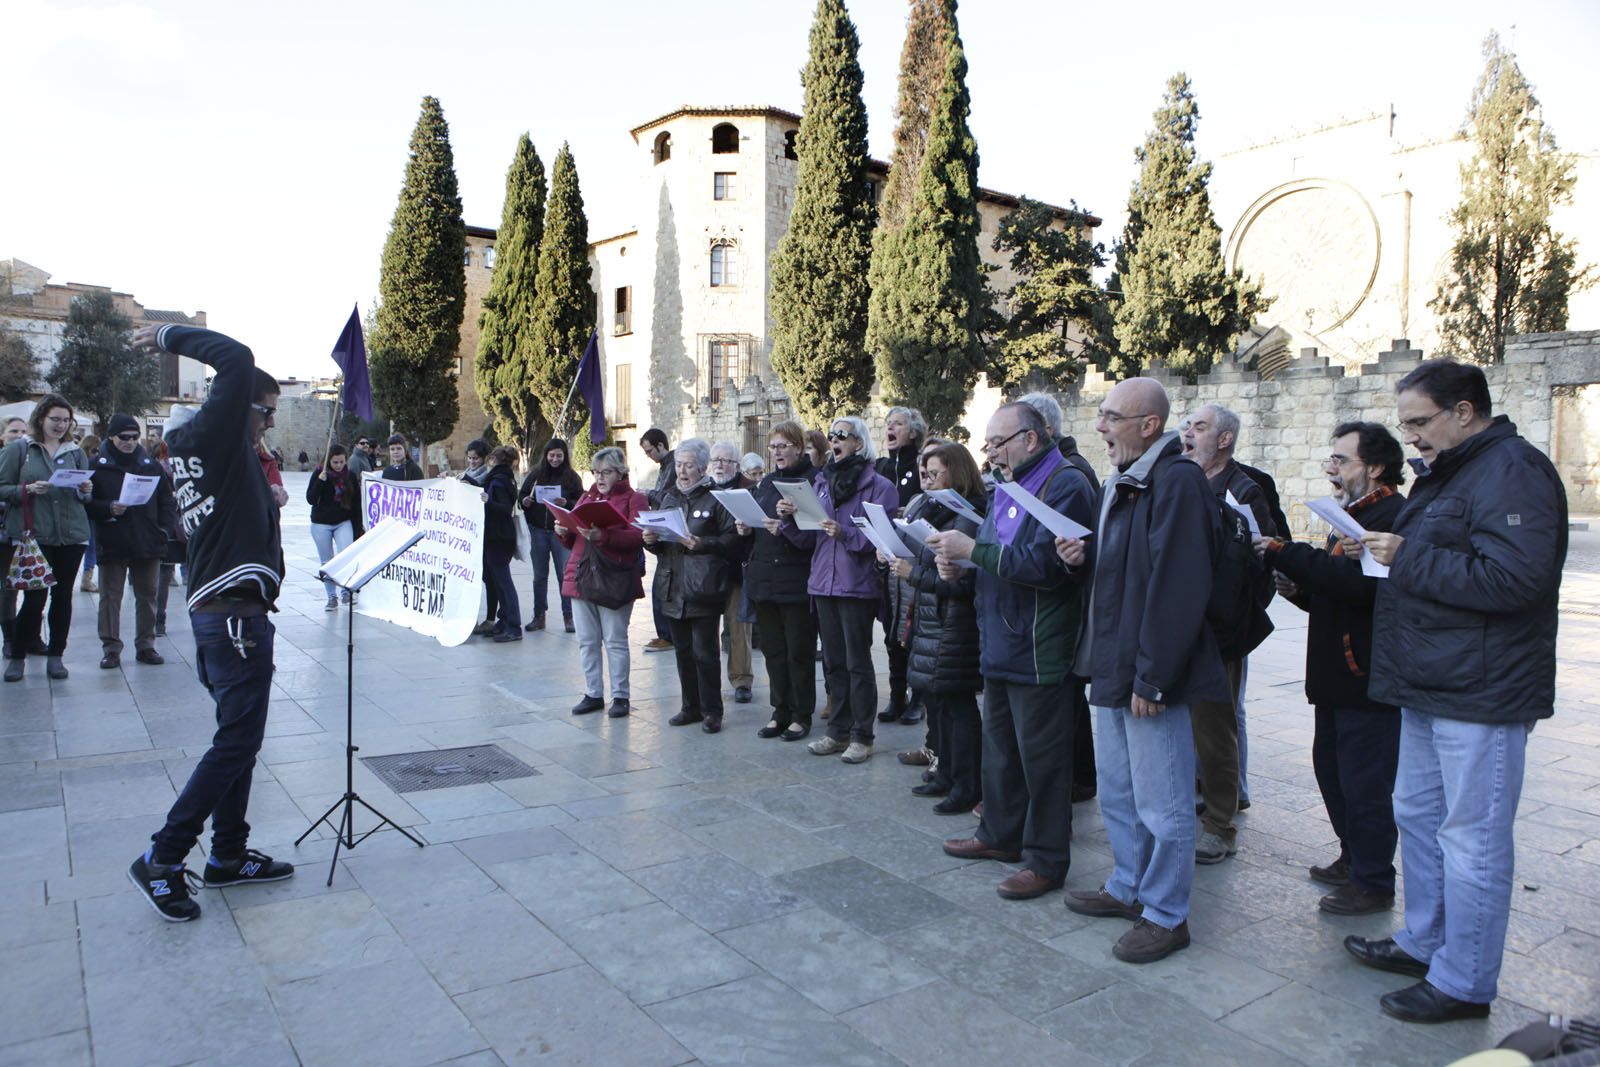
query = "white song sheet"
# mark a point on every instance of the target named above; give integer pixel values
(1048, 517)
(742, 505)
(138, 489)
(878, 519)
(809, 513)
(669, 523)
(1333, 513)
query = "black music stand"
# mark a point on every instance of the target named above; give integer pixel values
(350, 570)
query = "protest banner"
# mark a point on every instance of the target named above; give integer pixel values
(434, 587)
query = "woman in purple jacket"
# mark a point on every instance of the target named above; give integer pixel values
(845, 585)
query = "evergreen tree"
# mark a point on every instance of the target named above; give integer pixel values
(922, 71)
(97, 369)
(563, 302)
(819, 273)
(508, 306)
(18, 367)
(1055, 291)
(929, 302)
(422, 290)
(1180, 303)
(1511, 272)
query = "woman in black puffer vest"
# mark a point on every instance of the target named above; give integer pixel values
(775, 582)
(500, 539)
(944, 639)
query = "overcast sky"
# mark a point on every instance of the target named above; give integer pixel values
(244, 158)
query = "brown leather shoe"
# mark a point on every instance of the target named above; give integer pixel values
(970, 848)
(1103, 905)
(1027, 884)
(1147, 942)
(1336, 873)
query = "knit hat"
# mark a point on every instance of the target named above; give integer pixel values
(122, 424)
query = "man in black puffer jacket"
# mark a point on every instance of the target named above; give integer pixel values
(132, 540)
(1464, 641)
(1357, 740)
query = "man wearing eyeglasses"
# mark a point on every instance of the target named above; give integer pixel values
(236, 568)
(1149, 656)
(1464, 641)
(1029, 611)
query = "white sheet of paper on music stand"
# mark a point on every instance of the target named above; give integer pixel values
(546, 493)
(1048, 517)
(878, 518)
(137, 489)
(383, 544)
(668, 522)
(956, 503)
(70, 478)
(1333, 513)
(1249, 516)
(742, 505)
(808, 510)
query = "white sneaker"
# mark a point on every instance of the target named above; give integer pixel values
(825, 746)
(858, 752)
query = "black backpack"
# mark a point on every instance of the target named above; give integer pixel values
(1236, 611)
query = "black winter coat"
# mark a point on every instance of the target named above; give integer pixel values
(332, 502)
(1465, 624)
(140, 532)
(499, 511)
(693, 585)
(777, 569)
(901, 470)
(1147, 631)
(1338, 598)
(538, 516)
(944, 651)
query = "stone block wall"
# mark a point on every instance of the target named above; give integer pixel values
(300, 424)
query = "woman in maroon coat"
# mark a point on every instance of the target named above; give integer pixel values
(621, 545)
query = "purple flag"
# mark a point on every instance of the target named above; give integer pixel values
(592, 390)
(350, 353)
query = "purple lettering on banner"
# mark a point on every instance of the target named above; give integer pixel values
(387, 500)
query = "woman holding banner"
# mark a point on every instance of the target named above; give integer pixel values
(500, 539)
(477, 473)
(604, 585)
(334, 493)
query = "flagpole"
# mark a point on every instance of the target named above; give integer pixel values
(562, 421)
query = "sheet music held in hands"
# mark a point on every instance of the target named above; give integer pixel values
(808, 510)
(546, 494)
(878, 520)
(1249, 516)
(1048, 517)
(70, 477)
(742, 505)
(668, 523)
(1333, 513)
(137, 489)
(957, 503)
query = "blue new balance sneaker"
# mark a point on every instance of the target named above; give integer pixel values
(251, 867)
(166, 887)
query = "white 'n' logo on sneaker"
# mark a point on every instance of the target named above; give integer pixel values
(248, 870)
(158, 887)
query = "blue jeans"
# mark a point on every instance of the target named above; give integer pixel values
(545, 547)
(1455, 796)
(1145, 769)
(331, 540)
(219, 788)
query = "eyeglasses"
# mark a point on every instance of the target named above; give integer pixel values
(598, 471)
(1416, 423)
(128, 436)
(1112, 418)
(780, 446)
(58, 418)
(1336, 460)
(995, 446)
(840, 435)
(268, 412)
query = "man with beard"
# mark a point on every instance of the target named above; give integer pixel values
(1357, 740)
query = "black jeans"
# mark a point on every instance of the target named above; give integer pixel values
(956, 732)
(845, 626)
(1355, 752)
(1027, 773)
(64, 561)
(1083, 772)
(789, 645)
(497, 556)
(219, 788)
(695, 644)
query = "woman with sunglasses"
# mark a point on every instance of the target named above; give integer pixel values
(58, 521)
(845, 585)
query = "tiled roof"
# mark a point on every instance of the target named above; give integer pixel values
(712, 112)
(153, 315)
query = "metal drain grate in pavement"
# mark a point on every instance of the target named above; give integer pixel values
(441, 768)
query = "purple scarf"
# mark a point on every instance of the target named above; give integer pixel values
(1008, 514)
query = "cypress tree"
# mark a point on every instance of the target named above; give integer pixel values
(508, 306)
(18, 367)
(1510, 272)
(1180, 304)
(929, 302)
(97, 368)
(1055, 291)
(422, 289)
(563, 302)
(922, 70)
(819, 273)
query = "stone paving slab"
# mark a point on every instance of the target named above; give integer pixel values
(656, 896)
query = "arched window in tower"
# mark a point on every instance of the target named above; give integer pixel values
(724, 138)
(788, 145)
(724, 264)
(663, 146)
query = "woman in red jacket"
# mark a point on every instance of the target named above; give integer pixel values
(620, 545)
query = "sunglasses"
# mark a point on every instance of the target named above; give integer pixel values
(127, 436)
(836, 435)
(268, 412)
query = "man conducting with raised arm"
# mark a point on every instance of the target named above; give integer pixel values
(235, 568)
